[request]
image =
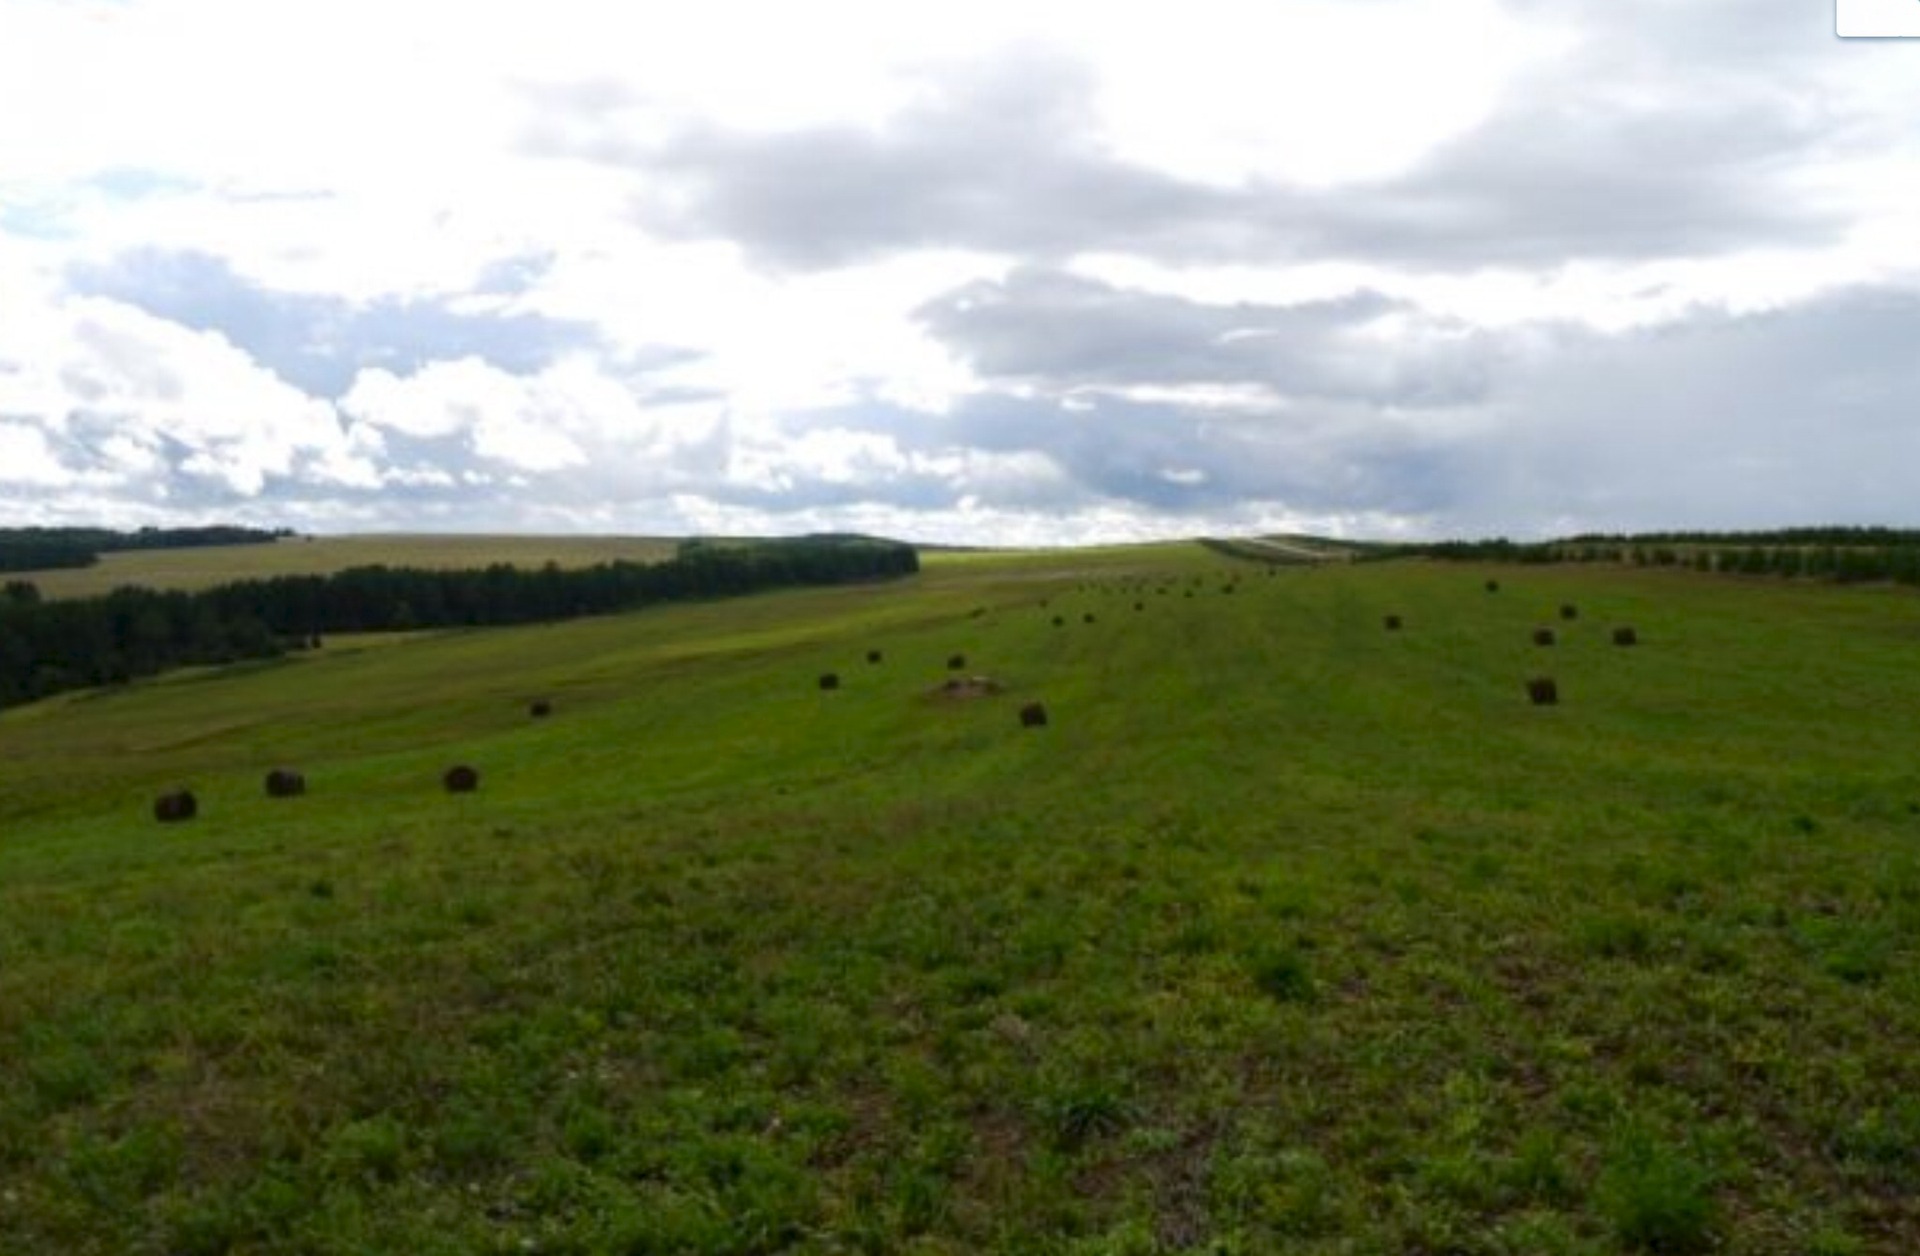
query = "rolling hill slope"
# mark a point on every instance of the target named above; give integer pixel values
(1287, 932)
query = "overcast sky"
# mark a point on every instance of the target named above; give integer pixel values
(1001, 272)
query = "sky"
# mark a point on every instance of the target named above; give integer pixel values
(997, 273)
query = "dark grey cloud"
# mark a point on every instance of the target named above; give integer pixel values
(1181, 460)
(1571, 175)
(318, 342)
(1064, 331)
(1611, 157)
(1797, 415)
(1803, 414)
(1003, 160)
(1154, 457)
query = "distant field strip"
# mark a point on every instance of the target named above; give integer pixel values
(1270, 549)
(201, 568)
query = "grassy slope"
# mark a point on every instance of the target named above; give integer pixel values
(1287, 932)
(201, 567)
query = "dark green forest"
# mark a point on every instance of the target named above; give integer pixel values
(47, 647)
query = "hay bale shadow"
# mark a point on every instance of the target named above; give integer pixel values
(830, 680)
(1625, 635)
(1543, 636)
(460, 779)
(1541, 691)
(1033, 715)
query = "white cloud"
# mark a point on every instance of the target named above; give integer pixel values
(27, 458)
(118, 386)
(1514, 181)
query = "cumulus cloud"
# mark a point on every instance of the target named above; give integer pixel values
(1012, 160)
(27, 457)
(119, 394)
(1066, 332)
(318, 341)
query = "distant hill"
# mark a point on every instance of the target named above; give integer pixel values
(36, 549)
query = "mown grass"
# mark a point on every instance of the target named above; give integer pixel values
(203, 567)
(1287, 933)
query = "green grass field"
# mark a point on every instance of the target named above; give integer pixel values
(203, 567)
(1288, 933)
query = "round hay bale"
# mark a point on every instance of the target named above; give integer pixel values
(1543, 636)
(1033, 715)
(874, 656)
(460, 779)
(174, 807)
(540, 708)
(830, 680)
(1087, 618)
(1392, 623)
(1493, 586)
(1541, 691)
(1059, 621)
(1569, 611)
(956, 662)
(1625, 635)
(285, 783)
(1139, 606)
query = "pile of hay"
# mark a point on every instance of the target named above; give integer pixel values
(961, 688)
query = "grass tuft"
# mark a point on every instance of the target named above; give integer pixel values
(1657, 1199)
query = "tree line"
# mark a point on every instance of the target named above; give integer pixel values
(1844, 555)
(1824, 534)
(50, 646)
(48, 549)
